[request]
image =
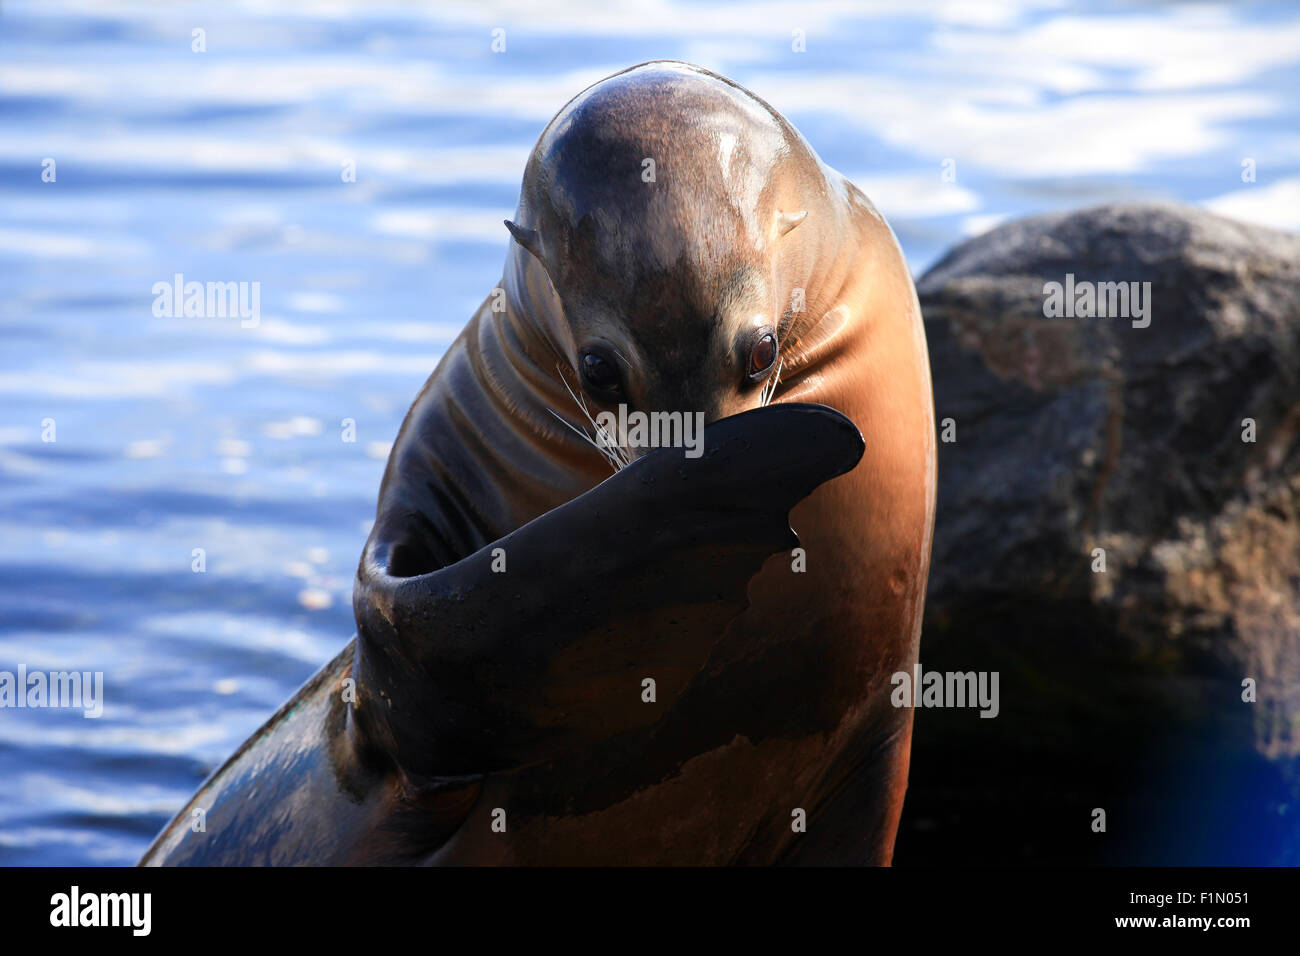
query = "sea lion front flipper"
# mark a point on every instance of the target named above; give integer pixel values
(471, 668)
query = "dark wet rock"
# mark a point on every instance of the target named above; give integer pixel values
(1120, 690)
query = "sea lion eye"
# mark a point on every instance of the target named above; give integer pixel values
(598, 373)
(762, 355)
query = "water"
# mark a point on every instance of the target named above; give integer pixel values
(176, 434)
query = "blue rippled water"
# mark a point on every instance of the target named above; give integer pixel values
(176, 434)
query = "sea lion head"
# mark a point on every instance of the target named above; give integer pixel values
(663, 204)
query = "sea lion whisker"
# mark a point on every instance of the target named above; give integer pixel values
(608, 455)
(769, 388)
(617, 456)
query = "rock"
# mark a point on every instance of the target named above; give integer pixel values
(1120, 690)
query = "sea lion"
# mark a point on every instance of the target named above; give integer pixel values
(678, 247)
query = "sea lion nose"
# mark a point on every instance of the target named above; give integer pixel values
(705, 408)
(669, 417)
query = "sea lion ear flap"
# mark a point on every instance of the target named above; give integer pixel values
(528, 238)
(786, 221)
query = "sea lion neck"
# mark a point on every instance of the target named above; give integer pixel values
(488, 444)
